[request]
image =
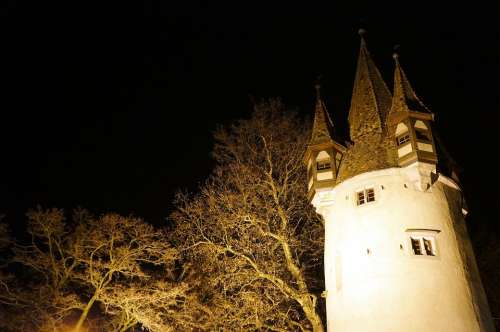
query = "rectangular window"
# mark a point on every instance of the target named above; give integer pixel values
(423, 245)
(361, 198)
(323, 164)
(429, 248)
(415, 246)
(370, 195)
(365, 196)
(403, 139)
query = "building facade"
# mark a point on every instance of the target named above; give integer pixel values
(397, 252)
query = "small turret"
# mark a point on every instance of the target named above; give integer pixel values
(324, 153)
(409, 124)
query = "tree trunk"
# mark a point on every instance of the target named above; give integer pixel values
(307, 303)
(85, 313)
(314, 319)
(128, 325)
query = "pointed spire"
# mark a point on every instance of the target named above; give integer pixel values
(323, 126)
(371, 98)
(404, 98)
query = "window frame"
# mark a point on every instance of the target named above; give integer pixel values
(368, 196)
(423, 237)
(403, 138)
(423, 135)
(326, 162)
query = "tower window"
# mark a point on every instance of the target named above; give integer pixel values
(403, 139)
(365, 196)
(416, 247)
(428, 247)
(323, 164)
(423, 245)
(422, 135)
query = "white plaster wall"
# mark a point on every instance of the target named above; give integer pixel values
(390, 289)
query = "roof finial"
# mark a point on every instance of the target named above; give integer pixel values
(317, 86)
(318, 91)
(395, 52)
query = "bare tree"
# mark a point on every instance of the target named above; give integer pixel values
(112, 266)
(251, 230)
(43, 298)
(158, 307)
(129, 268)
(8, 298)
(5, 241)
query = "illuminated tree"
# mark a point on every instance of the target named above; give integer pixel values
(129, 267)
(7, 296)
(112, 266)
(38, 296)
(250, 230)
(5, 241)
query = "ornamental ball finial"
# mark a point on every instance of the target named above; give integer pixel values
(395, 54)
(317, 83)
(361, 32)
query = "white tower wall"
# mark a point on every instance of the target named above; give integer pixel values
(374, 281)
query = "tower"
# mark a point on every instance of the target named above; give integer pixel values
(397, 252)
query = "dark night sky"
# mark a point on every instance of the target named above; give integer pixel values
(113, 108)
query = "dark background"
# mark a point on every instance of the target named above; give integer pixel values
(111, 106)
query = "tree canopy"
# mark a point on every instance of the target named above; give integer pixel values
(250, 229)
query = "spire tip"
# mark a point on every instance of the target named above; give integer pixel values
(317, 86)
(395, 54)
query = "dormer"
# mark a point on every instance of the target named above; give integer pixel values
(324, 154)
(409, 123)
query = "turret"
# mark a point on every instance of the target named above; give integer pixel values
(324, 153)
(409, 124)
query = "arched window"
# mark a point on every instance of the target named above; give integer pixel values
(421, 131)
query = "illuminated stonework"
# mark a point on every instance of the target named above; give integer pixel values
(397, 252)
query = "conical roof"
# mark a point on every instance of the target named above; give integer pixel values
(404, 98)
(370, 104)
(322, 127)
(371, 99)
